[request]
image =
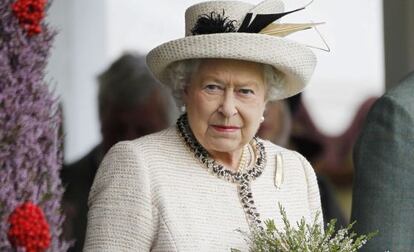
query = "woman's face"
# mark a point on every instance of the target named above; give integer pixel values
(225, 100)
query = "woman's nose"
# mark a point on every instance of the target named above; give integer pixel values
(228, 105)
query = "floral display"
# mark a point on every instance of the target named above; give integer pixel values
(30, 139)
(304, 237)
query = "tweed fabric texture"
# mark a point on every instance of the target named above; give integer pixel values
(384, 172)
(151, 194)
(285, 55)
(296, 61)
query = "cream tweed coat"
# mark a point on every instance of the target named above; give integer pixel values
(151, 194)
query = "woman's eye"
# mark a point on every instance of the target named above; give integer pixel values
(212, 87)
(246, 91)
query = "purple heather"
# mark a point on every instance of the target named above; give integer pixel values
(30, 141)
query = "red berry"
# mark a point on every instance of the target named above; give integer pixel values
(30, 14)
(29, 228)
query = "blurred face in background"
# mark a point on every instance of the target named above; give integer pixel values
(277, 124)
(128, 123)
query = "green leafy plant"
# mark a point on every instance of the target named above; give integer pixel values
(304, 237)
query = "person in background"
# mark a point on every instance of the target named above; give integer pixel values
(131, 104)
(277, 123)
(384, 180)
(277, 128)
(330, 155)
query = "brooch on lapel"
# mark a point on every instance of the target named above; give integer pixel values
(279, 171)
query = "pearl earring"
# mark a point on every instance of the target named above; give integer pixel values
(262, 119)
(183, 109)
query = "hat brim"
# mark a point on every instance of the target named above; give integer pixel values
(294, 60)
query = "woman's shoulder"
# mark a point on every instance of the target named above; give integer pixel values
(149, 147)
(135, 157)
(159, 139)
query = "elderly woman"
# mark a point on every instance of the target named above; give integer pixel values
(190, 187)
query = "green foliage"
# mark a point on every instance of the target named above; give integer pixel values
(304, 237)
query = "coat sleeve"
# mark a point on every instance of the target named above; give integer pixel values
(121, 215)
(384, 174)
(314, 199)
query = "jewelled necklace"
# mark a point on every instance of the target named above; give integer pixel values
(242, 177)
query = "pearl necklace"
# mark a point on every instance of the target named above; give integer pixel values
(242, 161)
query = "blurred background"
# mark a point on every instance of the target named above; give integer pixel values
(370, 50)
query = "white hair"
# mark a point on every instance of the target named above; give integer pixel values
(180, 72)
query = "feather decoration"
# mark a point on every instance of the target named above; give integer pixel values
(268, 7)
(213, 23)
(282, 30)
(260, 21)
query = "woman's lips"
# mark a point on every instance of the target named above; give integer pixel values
(223, 128)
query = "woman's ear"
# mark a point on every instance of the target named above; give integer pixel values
(184, 99)
(265, 109)
(264, 112)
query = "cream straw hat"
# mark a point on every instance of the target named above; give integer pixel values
(245, 32)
